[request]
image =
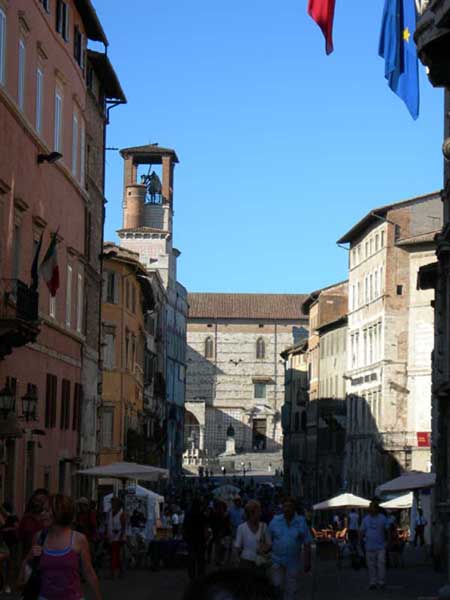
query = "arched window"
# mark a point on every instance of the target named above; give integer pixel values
(296, 422)
(209, 347)
(260, 348)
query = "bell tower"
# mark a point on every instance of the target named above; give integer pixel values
(147, 207)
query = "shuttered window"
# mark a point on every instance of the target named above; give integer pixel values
(2, 46)
(109, 351)
(57, 141)
(80, 303)
(111, 287)
(107, 427)
(65, 405)
(50, 401)
(82, 156)
(39, 98)
(74, 145)
(69, 296)
(76, 412)
(21, 78)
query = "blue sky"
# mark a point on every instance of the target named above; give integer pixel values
(281, 148)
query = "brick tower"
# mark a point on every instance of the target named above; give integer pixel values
(147, 230)
(148, 208)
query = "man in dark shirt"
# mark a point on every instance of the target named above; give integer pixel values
(195, 533)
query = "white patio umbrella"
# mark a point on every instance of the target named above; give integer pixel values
(400, 503)
(226, 492)
(127, 471)
(413, 480)
(343, 501)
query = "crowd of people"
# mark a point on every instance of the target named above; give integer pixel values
(60, 544)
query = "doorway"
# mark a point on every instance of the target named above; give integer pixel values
(259, 440)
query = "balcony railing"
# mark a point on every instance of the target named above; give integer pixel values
(19, 315)
(19, 301)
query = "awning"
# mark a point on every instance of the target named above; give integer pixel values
(413, 480)
(400, 503)
(343, 501)
(127, 471)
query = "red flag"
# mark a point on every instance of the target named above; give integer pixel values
(322, 11)
(49, 267)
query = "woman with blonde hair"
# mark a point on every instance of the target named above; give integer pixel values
(60, 554)
(253, 540)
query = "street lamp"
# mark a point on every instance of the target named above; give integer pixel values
(7, 401)
(29, 405)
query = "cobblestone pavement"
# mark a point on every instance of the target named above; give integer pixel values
(327, 582)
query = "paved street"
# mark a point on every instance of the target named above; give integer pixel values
(326, 582)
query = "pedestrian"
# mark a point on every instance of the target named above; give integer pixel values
(236, 515)
(336, 522)
(289, 533)
(61, 554)
(35, 518)
(116, 524)
(195, 531)
(353, 528)
(175, 520)
(253, 540)
(220, 527)
(11, 540)
(374, 531)
(232, 584)
(419, 529)
(86, 519)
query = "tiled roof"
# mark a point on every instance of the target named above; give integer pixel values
(381, 211)
(149, 150)
(423, 238)
(246, 306)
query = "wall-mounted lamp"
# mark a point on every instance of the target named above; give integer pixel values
(50, 158)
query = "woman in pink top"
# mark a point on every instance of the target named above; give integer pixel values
(60, 554)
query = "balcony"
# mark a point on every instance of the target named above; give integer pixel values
(19, 315)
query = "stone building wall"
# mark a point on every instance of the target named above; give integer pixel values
(227, 381)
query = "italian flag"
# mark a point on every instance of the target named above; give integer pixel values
(49, 267)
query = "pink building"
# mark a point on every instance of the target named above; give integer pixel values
(44, 89)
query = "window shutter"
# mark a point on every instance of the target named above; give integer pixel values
(21, 81)
(58, 118)
(107, 428)
(80, 303)
(116, 288)
(39, 96)
(54, 389)
(74, 145)
(69, 297)
(105, 286)
(82, 156)
(2, 45)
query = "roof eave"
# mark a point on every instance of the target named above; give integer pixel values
(108, 75)
(91, 22)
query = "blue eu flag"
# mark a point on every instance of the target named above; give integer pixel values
(399, 51)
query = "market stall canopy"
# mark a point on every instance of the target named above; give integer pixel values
(343, 501)
(413, 480)
(126, 470)
(400, 503)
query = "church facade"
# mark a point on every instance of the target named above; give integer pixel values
(235, 374)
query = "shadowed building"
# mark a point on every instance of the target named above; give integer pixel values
(390, 339)
(235, 374)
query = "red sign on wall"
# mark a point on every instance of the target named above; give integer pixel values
(423, 439)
